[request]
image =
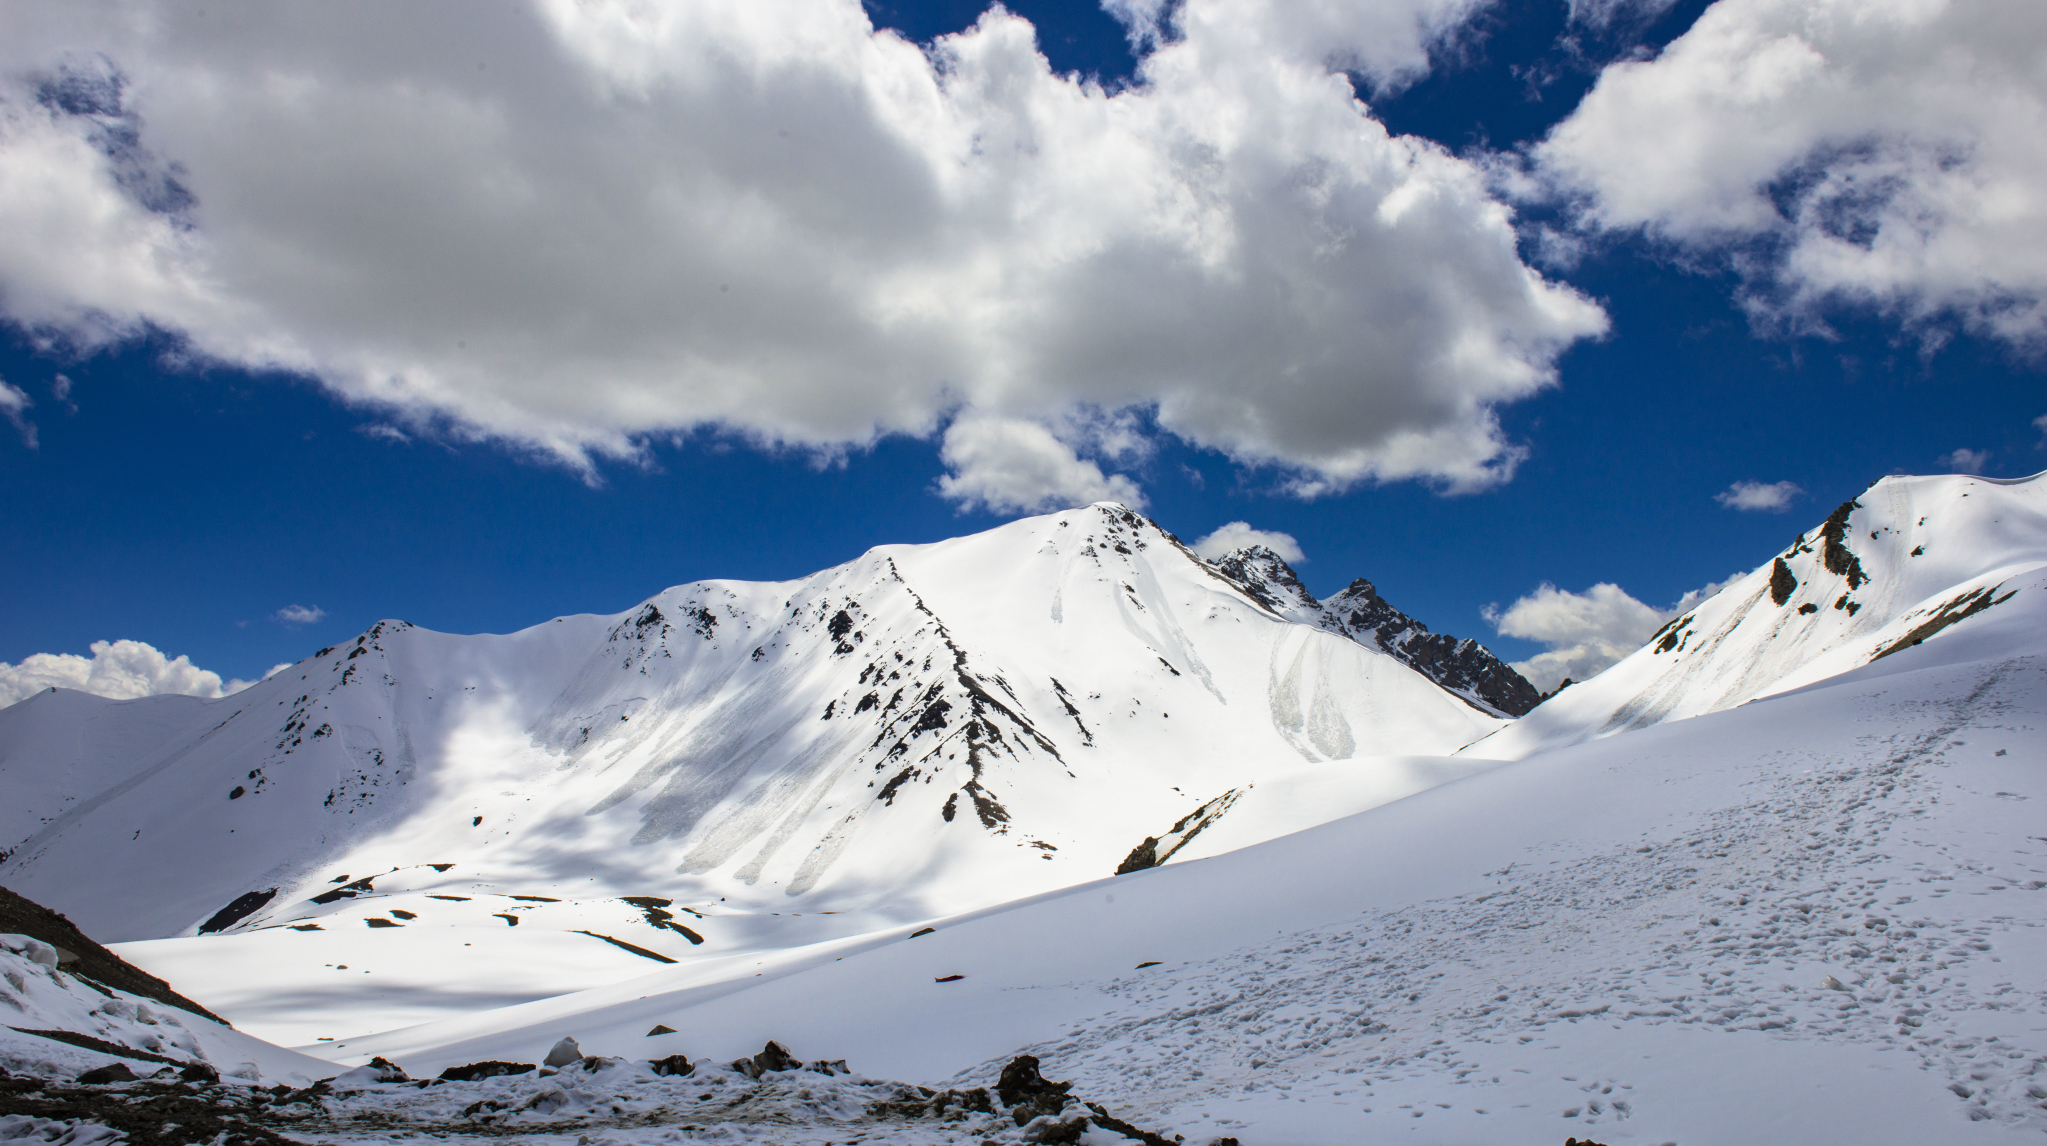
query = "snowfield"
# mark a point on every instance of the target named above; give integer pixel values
(1778, 881)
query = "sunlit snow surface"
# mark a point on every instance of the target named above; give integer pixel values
(923, 731)
(1815, 916)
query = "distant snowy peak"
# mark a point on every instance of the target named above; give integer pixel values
(1897, 565)
(1464, 667)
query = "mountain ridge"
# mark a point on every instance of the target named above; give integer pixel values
(1462, 666)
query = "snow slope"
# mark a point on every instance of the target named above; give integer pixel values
(1897, 563)
(1817, 917)
(417, 824)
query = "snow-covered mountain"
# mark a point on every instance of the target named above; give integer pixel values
(1892, 567)
(725, 768)
(1465, 667)
(1815, 917)
(1815, 890)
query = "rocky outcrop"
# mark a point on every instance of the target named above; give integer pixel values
(20, 915)
(1462, 666)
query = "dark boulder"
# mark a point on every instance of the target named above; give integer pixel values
(471, 1072)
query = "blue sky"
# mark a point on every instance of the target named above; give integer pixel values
(168, 492)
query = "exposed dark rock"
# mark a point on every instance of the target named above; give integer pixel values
(1781, 582)
(1107, 1121)
(924, 1102)
(1834, 551)
(199, 1072)
(96, 964)
(148, 1112)
(1156, 850)
(348, 892)
(112, 1072)
(1029, 1094)
(1141, 857)
(675, 1065)
(1463, 667)
(491, 1068)
(1967, 605)
(773, 1057)
(622, 945)
(87, 1042)
(661, 1029)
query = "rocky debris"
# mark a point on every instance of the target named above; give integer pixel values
(146, 1112)
(1463, 667)
(1027, 1093)
(674, 1066)
(102, 1075)
(773, 1057)
(924, 1102)
(490, 1068)
(564, 1053)
(377, 1070)
(94, 963)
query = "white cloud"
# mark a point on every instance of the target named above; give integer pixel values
(1883, 153)
(14, 405)
(1586, 632)
(122, 670)
(1236, 535)
(299, 614)
(1009, 465)
(574, 225)
(1754, 496)
(1965, 460)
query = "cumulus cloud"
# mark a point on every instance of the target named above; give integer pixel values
(1236, 535)
(1009, 465)
(122, 670)
(576, 225)
(1758, 496)
(299, 614)
(14, 404)
(1882, 153)
(1965, 460)
(1585, 632)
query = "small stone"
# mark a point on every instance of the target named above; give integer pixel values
(564, 1053)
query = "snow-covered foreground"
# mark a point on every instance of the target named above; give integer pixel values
(1815, 917)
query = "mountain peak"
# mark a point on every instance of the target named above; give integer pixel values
(1464, 667)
